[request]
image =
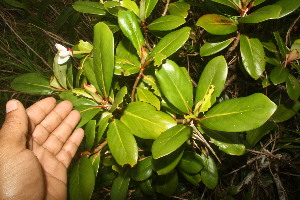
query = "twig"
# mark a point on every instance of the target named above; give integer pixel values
(200, 137)
(100, 147)
(166, 8)
(290, 29)
(137, 80)
(233, 47)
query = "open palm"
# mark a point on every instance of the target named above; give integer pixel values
(35, 164)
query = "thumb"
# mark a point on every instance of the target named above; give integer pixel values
(15, 126)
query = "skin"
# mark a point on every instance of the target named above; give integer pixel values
(36, 148)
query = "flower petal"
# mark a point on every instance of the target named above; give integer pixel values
(60, 47)
(62, 60)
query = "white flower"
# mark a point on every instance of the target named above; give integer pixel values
(63, 53)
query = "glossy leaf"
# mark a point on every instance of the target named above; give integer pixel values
(167, 163)
(120, 186)
(165, 23)
(89, 72)
(209, 174)
(95, 160)
(60, 71)
(82, 180)
(171, 140)
(125, 67)
(131, 29)
(131, 5)
(167, 184)
(253, 56)
(113, 7)
(293, 87)
(89, 7)
(145, 122)
(179, 8)
(231, 149)
(215, 73)
(89, 133)
(76, 100)
(281, 44)
(240, 114)
(171, 42)
(146, 7)
(190, 162)
(192, 178)
(148, 97)
(262, 14)
(122, 143)
(287, 7)
(32, 83)
(143, 170)
(279, 75)
(236, 4)
(212, 48)
(84, 46)
(102, 124)
(176, 86)
(147, 188)
(103, 57)
(255, 135)
(283, 113)
(87, 113)
(217, 24)
(119, 98)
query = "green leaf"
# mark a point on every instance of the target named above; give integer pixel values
(87, 113)
(166, 23)
(287, 7)
(192, 178)
(85, 46)
(293, 87)
(171, 42)
(119, 98)
(236, 4)
(279, 75)
(231, 149)
(255, 135)
(122, 143)
(131, 29)
(171, 140)
(230, 143)
(102, 124)
(131, 5)
(143, 170)
(209, 174)
(167, 184)
(89, 7)
(240, 114)
(95, 160)
(125, 67)
(190, 162)
(113, 7)
(217, 24)
(120, 186)
(32, 83)
(76, 100)
(145, 122)
(89, 133)
(283, 114)
(103, 57)
(253, 56)
(270, 46)
(176, 86)
(262, 14)
(212, 48)
(282, 46)
(60, 71)
(148, 97)
(215, 73)
(89, 72)
(167, 163)
(82, 180)
(146, 7)
(179, 8)
(147, 188)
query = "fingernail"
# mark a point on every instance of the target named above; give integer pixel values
(11, 105)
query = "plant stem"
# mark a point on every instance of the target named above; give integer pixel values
(100, 147)
(166, 8)
(137, 80)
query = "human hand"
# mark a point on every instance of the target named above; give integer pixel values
(36, 148)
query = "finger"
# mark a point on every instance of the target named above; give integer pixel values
(39, 110)
(51, 121)
(60, 135)
(69, 149)
(15, 126)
